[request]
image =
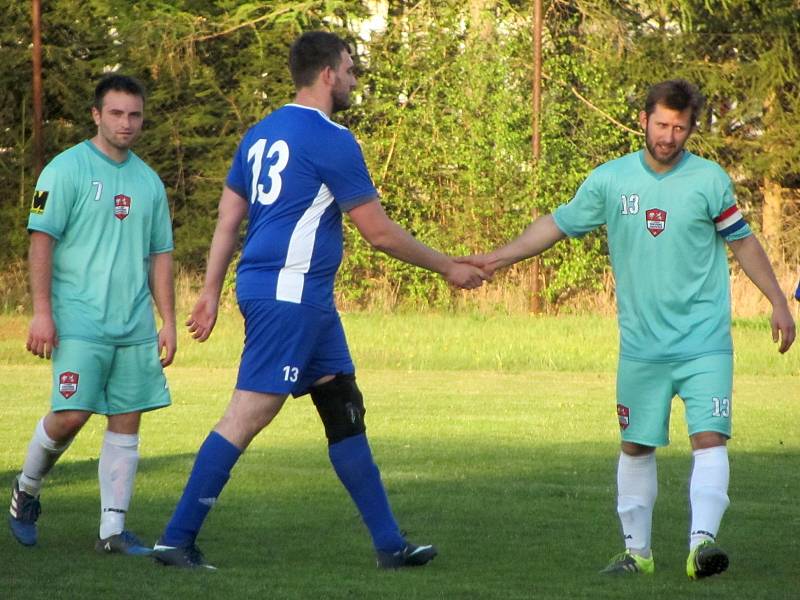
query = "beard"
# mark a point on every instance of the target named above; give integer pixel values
(119, 142)
(341, 100)
(122, 143)
(662, 155)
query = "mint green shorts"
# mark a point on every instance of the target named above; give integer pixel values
(106, 379)
(645, 391)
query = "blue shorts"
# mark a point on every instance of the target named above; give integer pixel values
(288, 346)
(645, 391)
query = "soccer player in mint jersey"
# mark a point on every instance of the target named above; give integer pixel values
(669, 215)
(293, 175)
(100, 253)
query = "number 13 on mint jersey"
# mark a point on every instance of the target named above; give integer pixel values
(256, 154)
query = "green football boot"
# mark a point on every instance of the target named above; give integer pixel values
(706, 560)
(626, 563)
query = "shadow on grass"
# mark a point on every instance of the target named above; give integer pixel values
(510, 522)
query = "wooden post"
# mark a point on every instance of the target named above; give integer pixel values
(38, 138)
(536, 288)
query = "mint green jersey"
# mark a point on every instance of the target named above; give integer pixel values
(666, 235)
(107, 219)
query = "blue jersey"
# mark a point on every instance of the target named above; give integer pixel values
(299, 171)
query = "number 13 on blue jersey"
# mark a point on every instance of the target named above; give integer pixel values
(256, 154)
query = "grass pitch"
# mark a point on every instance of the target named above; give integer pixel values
(497, 441)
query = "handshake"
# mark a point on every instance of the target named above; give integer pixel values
(469, 272)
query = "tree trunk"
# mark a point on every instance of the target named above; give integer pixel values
(772, 219)
(481, 18)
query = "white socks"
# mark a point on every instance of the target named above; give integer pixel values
(119, 458)
(708, 493)
(637, 489)
(43, 452)
(637, 486)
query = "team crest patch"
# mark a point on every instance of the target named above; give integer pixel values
(68, 384)
(39, 201)
(122, 206)
(624, 415)
(656, 220)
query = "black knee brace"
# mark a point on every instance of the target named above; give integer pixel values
(340, 406)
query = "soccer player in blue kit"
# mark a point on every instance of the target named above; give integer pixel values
(293, 175)
(668, 214)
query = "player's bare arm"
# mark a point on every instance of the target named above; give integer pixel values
(232, 211)
(163, 290)
(754, 261)
(387, 236)
(537, 237)
(42, 334)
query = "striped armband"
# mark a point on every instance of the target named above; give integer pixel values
(729, 221)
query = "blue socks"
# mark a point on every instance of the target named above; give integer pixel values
(211, 471)
(352, 461)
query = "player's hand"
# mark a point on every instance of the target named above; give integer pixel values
(465, 276)
(783, 327)
(203, 317)
(42, 335)
(485, 262)
(167, 344)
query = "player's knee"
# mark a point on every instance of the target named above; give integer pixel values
(708, 439)
(634, 449)
(340, 406)
(63, 425)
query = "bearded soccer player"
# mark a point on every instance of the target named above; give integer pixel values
(669, 215)
(100, 253)
(293, 175)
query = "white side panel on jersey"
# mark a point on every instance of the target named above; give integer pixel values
(301, 245)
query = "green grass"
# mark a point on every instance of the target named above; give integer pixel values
(433, 341)
(496, 438)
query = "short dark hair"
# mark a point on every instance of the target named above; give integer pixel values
(677, 94)
(117, 83)
(311, 53)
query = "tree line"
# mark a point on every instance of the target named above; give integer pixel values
(443, 115)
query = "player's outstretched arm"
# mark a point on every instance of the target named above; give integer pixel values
(162, 287)
(42, 334)
(537, 237)
(387, 236)
(232, 211)
(754, 261)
